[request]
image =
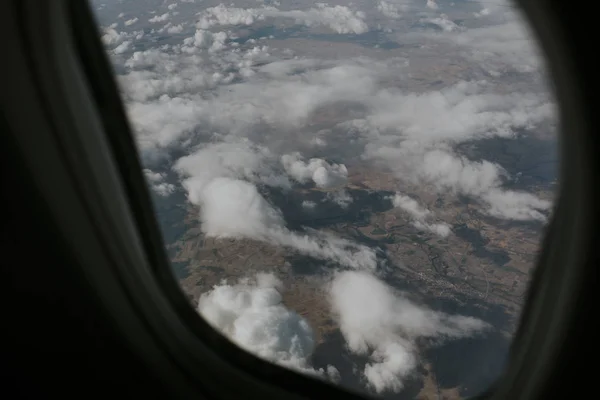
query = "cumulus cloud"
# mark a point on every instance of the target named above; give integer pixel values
(219, 179)
(309, 205)
(174, 28)
(419, 215)
(502, 41)
(235, 208)
(157, 183)
(465, 110)
(203, 39)
(111, 37)
(382, 324)
(482, 180)
(444, 23)
(117, 42)
(447, 171)
(131, 21)
(235, 159)
(251, 314)
(122, 48)
(418, 148)
(223, 15)
(318, 141)
(340, 19)
(388, 9)
(340, 197)
(431, 4)
(410, 205)
(159, 18)
(323, 174)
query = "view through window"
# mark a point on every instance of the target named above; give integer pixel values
(354, 190)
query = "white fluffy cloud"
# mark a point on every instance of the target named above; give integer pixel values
(309, 205)
(444, 23)
(465, 110)
(419, 215)
(131, 21)
(231, 207)
(159, 18)
(340, 197)
(157, 182)
(252, 315)
(431, 4)
(449, 172)
(340, 19)
(323, 174)
(501, 42)
(235, 159)
(384, 325)
(388, 9)
(219, 179)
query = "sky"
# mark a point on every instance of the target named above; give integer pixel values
(228, 99)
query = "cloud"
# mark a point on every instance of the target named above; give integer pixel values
(502, 41)
(223, 15)
(174, 28)
(235, 159)
(446, 171)
(159, 18)
(131, 21)
(444, 23)
(323, 174)
(122, 48)
(117, 42)
(520, 206)
(465, 110)
(388, 9)
(420, 214)
(431, 4)
(318, 141)
(482, 180)
(234, 208)
(410, 206)
(204, 39)
(156, 182)
(251, 314)
(340, 197)
(340, 19)
(309, 205)
(112, 37)
(218, 178)
(384, 325)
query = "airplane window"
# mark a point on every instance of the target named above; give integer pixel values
(355, 190)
